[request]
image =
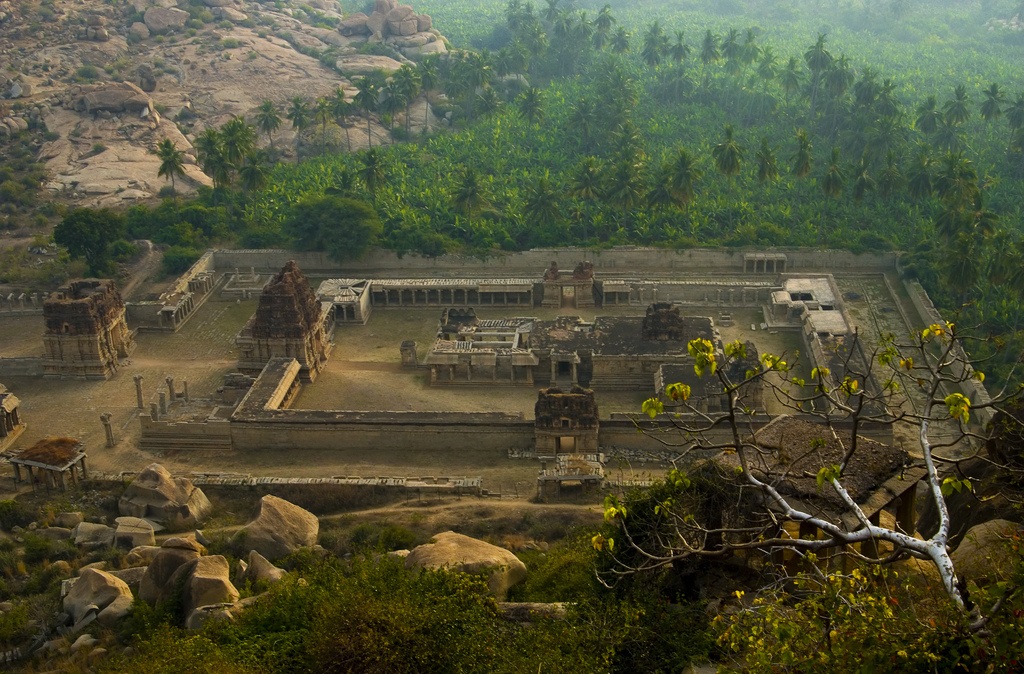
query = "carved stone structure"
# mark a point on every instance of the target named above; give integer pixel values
(571, 290)
(52, 459)
(289, 323)
(86, 332)
(565, 422)
(11, 424)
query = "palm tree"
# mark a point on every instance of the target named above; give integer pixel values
(890, 179)
(212, 158)
(862, 180)
(541, 206)
(323, 112)
(679, 51)
(732, 51)
(587, 180)
(620, 41)
(372, 172)
(366, 99)
(469, 198)
(819, 60)
(956, 109)
(832, 181)
(928, 116)
(728, 155)
(708, 53)
(625, 187)
(767, 164)
(919, 178)
(428, 77)
(655, 42)
(238, 138)
(583, 119)
(252, 174)
(268, 120)
(391, 103)
(802, 157)
(298, 114)
(683, 177)
(340, 110)
(406, 82)
(792, 77)
(1015, 113)
(991, 108)
(531, 105)
(956, 181)
(172, 161)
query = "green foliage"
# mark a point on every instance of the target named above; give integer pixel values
(343, 227)
(15, 625)
(39, 549)
(372, 537)
(178, 259)
(88, 233)
(14, 514)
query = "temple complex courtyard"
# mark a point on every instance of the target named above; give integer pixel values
(364, 372)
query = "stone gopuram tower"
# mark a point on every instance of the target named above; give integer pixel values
(565, 422)
(86, 332)
(288, 323)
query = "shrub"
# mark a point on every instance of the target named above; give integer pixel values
(13, 514)
(87, 72)
(178, 259)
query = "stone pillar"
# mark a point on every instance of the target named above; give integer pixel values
(184, 383)
(154, 413)
(163, 403)
(170, 388)
(138, 391)
(105, 418)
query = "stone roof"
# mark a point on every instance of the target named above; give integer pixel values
(288, 308)
(82, 307)
(50, 453)
(792, 451)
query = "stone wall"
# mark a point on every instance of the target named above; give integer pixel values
(927, 314)
(625, 260)
(21, 367)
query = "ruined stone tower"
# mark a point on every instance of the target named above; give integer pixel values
(288, 323)
(565, 422)
(86, 332)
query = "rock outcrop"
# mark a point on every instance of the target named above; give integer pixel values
(457, 552)
(279, 529)
(132, 532)
(204, 582)
(92, 536)
(160, 20)
(174, 554)
(259, 570)
(173, 501)
(983, 555)
(98, 592)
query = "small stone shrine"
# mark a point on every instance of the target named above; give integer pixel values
(49, 461)
(86, 332)
(11, 424)
(289, 323)
(566, 422)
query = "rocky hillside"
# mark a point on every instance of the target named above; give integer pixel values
(102, 83)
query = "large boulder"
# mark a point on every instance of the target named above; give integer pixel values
(360, 65)
(984, 555)
(354, 25)
(173, 501)
(436, 47)
(204, 582)
(259, 570)
(91, 536)
(131, 576)
(98, 591)
(279, 529)
(132, 532)
(425, 22)
(375, 24)
(160, 20)
(175, 553)
(112, 97)
(457, 552)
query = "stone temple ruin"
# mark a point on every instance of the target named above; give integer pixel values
(507, 322)
(86, 331)
(289, 323)
(11, 423)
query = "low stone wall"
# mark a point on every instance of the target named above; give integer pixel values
(212, 434)
(970, 387)
(392, 432)
(21, 367)
(624, 260)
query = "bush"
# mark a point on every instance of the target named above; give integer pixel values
(39, 549)
(177, 259)
(372, 537)
(13, 514)
(87, 72)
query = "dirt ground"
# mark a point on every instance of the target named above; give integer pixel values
(364, 373)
